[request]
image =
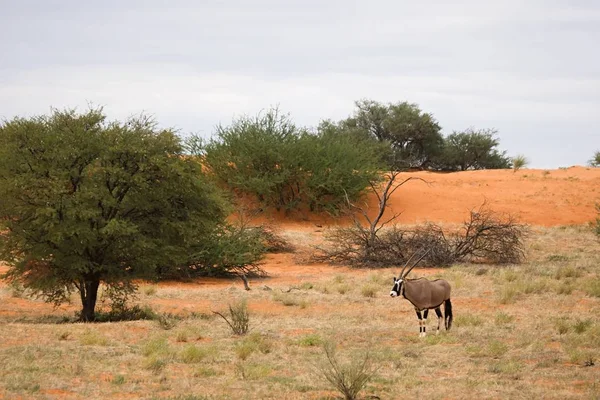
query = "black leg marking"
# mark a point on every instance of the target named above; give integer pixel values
(420, 322)
(438, 312)
(426, 312)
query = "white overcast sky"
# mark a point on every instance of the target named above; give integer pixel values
(529, 68)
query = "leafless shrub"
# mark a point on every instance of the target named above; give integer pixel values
(348, 378)
(485, 237)
(490, 237)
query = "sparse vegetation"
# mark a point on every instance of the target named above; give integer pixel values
(485, 237)
(349, 378)
(239, 318)
(597, 226)
(595, 160)
(526, 328)
(536, 336)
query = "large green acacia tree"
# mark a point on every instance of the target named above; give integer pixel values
(85, 202)
(413, 135)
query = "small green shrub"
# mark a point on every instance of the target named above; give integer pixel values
(240, 318)
(156, 346)
(192, 354)
(582, 325)
(595, 160)
(310, 340)
(519, 161)
(496, 348)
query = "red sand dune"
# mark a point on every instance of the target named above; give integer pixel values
(537, 197)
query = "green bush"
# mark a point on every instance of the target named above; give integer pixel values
(595, 161)
(288, 168)
(257, 156)
(471, 149)
(519, 161)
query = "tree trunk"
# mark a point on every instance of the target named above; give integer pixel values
(89, 294)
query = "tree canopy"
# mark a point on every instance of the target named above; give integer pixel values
(471, 149)
(287, 167)
(413, 135)
(84, 201)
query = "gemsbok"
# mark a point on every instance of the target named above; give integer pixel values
(424, 295)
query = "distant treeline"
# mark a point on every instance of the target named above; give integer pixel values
(286, 166)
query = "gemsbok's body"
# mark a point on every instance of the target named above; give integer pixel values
(425, 295)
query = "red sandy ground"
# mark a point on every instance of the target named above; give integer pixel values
(537, 197)
(564, 196)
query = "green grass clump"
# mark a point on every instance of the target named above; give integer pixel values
(593, 287)
(192, 354)
(310, 340)
(503, 318)
(93, 338)
(463, 320)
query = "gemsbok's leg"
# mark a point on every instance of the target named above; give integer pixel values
(420, 322)
(438, 312)
(425, 313)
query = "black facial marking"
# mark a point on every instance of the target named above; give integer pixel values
(396, 287)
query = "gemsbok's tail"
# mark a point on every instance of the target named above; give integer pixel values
(448, 314)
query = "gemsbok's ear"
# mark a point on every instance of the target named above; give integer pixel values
(394, 279)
